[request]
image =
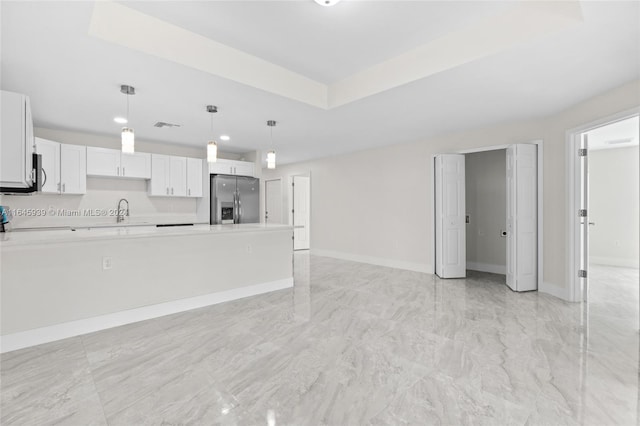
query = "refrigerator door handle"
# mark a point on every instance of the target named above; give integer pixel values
(236, 216)
(239, 208)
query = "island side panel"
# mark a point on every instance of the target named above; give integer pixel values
(49, 284)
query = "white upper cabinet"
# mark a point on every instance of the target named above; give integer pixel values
(244, 168)
(194, 177)
(50, 152)
(137, 165)
(113, 163)
(65, 167)
(232, 167)
(175, 176)
(73, 169)
(160, 183)
(178, 174)
(16, 141)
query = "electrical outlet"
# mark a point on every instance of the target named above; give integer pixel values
(249, 248)
(107, 263)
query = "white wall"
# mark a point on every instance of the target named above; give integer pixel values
(358, 200)
(486, 193)
(613, 206)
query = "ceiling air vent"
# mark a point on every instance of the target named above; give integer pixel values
(163, 124)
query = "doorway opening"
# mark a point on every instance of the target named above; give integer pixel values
(486, 211)
(518, 238)
(602, 232)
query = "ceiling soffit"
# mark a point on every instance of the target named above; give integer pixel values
(525, 22)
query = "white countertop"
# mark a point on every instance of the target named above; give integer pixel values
(137, 230)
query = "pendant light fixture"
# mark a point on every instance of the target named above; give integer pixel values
(128, 137)
(271, 155)
(212, 146)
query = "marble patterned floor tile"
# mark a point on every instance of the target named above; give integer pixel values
(49, 384)
(350, 344)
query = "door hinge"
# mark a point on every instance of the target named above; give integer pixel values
(582, 152)
(582, 213)
(582, 273)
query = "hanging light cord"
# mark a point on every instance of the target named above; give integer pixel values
(127, 107)
(211, 125)
(271, 129)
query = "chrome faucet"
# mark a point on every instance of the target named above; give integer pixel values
(120, 216)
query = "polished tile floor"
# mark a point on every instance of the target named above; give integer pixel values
(351, 344)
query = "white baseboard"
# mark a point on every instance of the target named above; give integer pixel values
(615, 261)
(12, 342)
(487, 267)
(398, 264)
(554, 290)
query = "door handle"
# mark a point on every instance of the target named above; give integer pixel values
(123, 172)
(167, 190)
(171, 190)
(189, 191)
(592, 223)
(64, 187)
(117, 170)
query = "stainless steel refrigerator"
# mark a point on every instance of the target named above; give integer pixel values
(234, 199)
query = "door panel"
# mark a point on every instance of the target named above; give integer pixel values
(248, 199)
(450, 216)
(273, 201)
(301, 212)
(178, 173)
(136, 165)
(522, 217)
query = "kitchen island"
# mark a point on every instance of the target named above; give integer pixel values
(61, 283)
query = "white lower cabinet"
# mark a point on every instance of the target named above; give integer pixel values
(65, 167)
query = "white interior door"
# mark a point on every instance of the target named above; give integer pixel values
(273, 201)
(451, 256)
(583, 216)
(301, 212)
(522, 217)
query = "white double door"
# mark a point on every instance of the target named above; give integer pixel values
(522, 216)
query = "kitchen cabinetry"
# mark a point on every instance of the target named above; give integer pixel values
(232, 167)
(194, 177)
(113, 163)
(64, 166)
(178, 176)
(73, 169)
(16, 141)
(173, 176)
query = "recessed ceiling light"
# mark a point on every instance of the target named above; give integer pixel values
(327, 2)
(120, 120)
(224, 138)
